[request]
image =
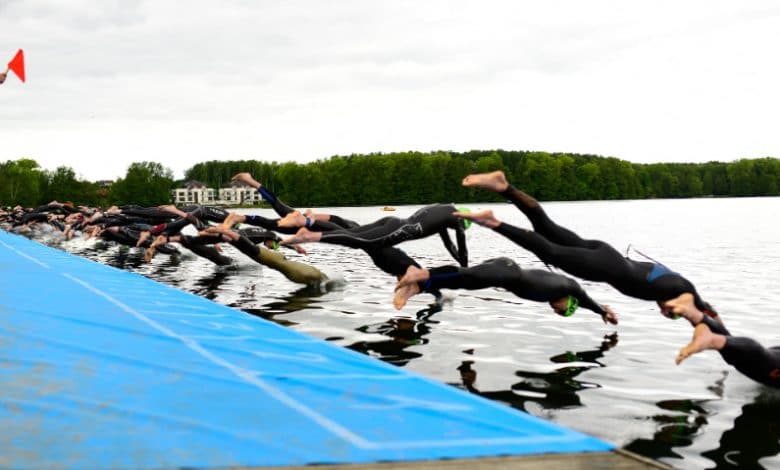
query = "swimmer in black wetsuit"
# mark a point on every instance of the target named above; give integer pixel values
(389, 231)
(593, 260)
(563, 293)
(292, 270)
(745, 354)
(389, 259)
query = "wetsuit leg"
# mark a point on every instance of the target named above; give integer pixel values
(152, 213)
(171, 227)
(532, 284)
(541, 222)
(492, 273)
(753, 360)
(600, 262)
(34, 217)
(292, 270)
(341, 222)
(390, 231)
(279, 206)
(385, 232)
(263, 222)
(391, 260)
(715, 326)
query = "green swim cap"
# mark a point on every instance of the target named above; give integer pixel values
(571, 306)
(275, 245)
(466, 222)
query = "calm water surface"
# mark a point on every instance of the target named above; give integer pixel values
(618, 383)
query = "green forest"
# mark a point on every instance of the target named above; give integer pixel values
(407, 178)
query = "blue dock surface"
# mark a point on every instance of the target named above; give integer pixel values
(102, 368)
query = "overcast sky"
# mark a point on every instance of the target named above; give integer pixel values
(111, 82)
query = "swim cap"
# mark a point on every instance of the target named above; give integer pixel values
(571, 306)
(275, 245)
(466, 222)
(670, 315)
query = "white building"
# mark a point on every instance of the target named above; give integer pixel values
(235, 193)
(238, 193)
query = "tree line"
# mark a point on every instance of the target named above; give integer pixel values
(25, 183)
(406, 178)
(421, 178)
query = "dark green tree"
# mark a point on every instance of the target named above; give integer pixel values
(145, 184)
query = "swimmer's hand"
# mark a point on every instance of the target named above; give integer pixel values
(610, 316)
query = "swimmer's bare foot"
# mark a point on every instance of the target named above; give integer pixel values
(218, 230)
(173, 210)
(90, 232)
(210, 231)
(403, 294)
(293, 219)
(494, 181)
(232, 219)
(246, 178)
(160, 240)
(302, 236)
(703, 339)
(484, 218)
(682, 306)
(413, 275)
(142, 237)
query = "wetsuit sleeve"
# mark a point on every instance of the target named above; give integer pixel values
(586, 301)
(445, 277)
(208, 252)
(454, 252)
(463, 251)
(256, 235)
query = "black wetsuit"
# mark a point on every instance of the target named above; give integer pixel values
(205, 251)
(532, 284)
(387, 258)
(128, 236)
(594, 260)
(390, 231)
(748, 356)
(292, 270)
(148, 213)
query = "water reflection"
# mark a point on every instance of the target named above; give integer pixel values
(403, 332)
(209, 286)
(677, 429)
(552, 390)
(755, 435)
(300, 299)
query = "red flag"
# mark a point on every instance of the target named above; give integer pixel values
(17, 65)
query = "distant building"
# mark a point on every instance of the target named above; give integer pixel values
(104, 183)
(238, 193)
(234, 193)
(194, 192)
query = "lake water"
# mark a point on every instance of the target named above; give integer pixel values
(618, 383)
